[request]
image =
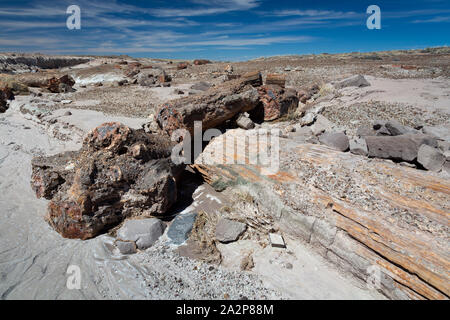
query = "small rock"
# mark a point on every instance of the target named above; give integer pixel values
(430, 158)
(126, 247)
(396, 129)
(181, 228)
(67, 113)
(229, 230)
(276, 240)
(336, 140)
(288, 265)
(307, 119)
(201, 86)
(144, 232)
(66, 101)
(355, 81)
(440, 132)
(321, 125)
(358, 146)
(244, 122)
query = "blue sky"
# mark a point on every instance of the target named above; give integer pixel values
(221, 29)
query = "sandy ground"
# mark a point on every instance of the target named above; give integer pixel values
(34, 259)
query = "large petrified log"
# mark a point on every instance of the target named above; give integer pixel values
(221, 103)
(213, 107)
(119, 172)
(359, 213)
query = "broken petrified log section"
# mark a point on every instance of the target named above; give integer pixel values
(118, 173)
(213, 107)
(219, 104)
(349, 230)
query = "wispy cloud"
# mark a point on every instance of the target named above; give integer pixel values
(205, 8)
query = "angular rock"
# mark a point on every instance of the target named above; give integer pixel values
(181, 228)
(126, 247)
(430, 158)
(307, 119)
(404, 147)
(144, 232)
(244, 122)
(335, 140)
(321, 125)
(358, 146)
(440, 132)
(354, 81)
(276, 240)
(277, 102)
(118, 173)
(229, 230)
(397, 129)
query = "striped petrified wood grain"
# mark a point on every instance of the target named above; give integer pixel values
(396, 217)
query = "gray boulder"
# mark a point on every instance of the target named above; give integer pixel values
(321, 125)
(358, 146)
(430, 158)
(229, 230)
(440, 132)
(181, 228)
(201, 86)
(354, 81)
(143, 232)
(404, 147)
(397, 129)
(335, 140)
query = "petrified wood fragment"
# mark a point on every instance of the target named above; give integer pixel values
(119, 172)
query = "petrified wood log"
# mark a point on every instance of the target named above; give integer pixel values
(276, 79)
(213, 107)
(119, 172)
(358, 212)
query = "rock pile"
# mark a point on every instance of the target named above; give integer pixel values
(118, 173)
(383, 139)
